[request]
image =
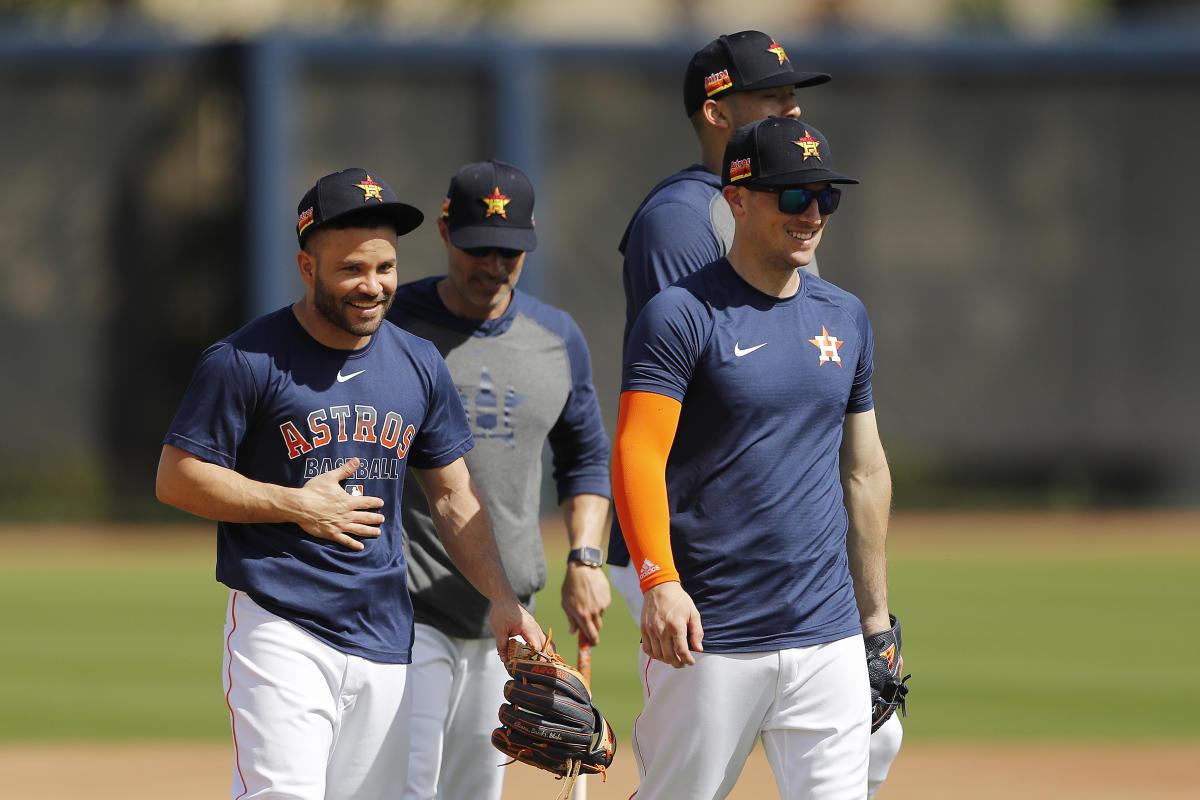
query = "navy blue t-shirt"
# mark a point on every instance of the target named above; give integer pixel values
(279, 407)
(758, 525)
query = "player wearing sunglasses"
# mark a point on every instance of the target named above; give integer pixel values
(753, 493)
(523, 372)
(684, 223)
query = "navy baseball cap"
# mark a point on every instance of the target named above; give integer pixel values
(740, 62)
(490, 204)
(350, 191)
(778, 151)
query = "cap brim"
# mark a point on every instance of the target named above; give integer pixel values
(800, 79)
(801, 177)
(404, 217)
(494, 236)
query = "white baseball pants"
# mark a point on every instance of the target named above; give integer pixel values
(885, 743)
(451, 703)
(811, 706)
(309, 722)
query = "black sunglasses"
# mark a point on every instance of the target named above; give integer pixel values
(794, 201)
(484, 252)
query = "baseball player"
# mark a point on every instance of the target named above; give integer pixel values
(753, 492)
(523, 373)
(295, 434)
(685, 223)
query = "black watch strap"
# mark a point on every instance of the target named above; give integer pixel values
(590, 556)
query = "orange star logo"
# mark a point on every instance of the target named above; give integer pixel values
(371, 190)
(828, 345)
(495, 203)
(810, 145)
(778, 50)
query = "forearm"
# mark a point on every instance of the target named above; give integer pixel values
(645, 431)
(585, 590)
(465, 529)
(868, 496)
(586, 518)
(215, 492)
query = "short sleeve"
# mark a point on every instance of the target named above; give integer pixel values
(216, 408)
(445, 435)
(861, 394)
(665, 344)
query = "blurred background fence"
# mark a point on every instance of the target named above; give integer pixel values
(1022, 236)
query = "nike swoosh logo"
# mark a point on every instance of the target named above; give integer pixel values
(343, 378)
(739, 352)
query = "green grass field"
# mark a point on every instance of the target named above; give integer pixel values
(1015, 646)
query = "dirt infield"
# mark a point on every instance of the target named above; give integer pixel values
(922, 772)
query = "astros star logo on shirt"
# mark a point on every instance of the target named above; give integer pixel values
(828, 345)
(495, 203)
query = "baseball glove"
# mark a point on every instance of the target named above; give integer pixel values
(549, 720)
(888, 689)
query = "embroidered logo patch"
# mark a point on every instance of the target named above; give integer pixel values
(739, 169)
(810, 145)
(717, 82)
(495, 203)
(778, 50)
(446, 207)
(306, 219)
(828, 345)
(371, 190)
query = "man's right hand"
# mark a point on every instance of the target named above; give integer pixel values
(328, 511)
(670, 622)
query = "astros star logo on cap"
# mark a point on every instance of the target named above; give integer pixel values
(371, 189)
(495, 203)
(811, 146)
(778, 50)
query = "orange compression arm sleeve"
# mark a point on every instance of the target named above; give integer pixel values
(646, 428)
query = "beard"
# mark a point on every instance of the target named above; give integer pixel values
(338, 310)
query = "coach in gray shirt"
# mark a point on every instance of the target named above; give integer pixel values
(524, 375)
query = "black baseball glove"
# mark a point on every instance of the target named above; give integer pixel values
(549, 720)
(888, 689)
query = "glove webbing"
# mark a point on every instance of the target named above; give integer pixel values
(574, 765)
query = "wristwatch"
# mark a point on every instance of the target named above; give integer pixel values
(588, 556)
